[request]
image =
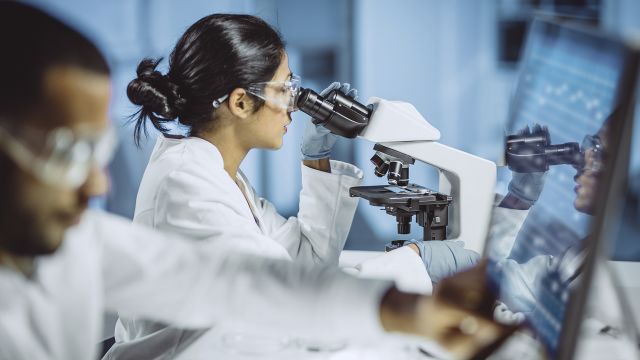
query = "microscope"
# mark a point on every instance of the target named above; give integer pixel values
(461, 206)
(530, 150)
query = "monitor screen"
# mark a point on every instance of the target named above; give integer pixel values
(558, 146)
(626, 245)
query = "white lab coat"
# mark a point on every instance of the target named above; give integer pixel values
(503, 230)
(108, 263)
(186, 190)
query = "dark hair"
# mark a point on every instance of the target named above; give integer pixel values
(217, 54)
(33, 42)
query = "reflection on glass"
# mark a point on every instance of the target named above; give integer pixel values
(568, 92)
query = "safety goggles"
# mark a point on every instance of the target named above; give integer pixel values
(283, 94)
(593, 144)
(60, 157)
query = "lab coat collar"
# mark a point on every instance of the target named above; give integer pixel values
(7, 270)
(203, 149)
(40, 275)
(168, 140)
(12, 279)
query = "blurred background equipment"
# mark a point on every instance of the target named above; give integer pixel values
(515, 15)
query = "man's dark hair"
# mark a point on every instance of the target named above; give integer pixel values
(32, 42)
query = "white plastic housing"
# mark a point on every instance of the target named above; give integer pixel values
(397, 121)
(469, 179)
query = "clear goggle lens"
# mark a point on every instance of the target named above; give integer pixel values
(281, 94)
(59, 157)
(594, 159)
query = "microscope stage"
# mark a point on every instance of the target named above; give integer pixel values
(410, 196)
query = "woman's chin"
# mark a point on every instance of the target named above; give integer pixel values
(275, 146)
(268, 144)
(583, 205)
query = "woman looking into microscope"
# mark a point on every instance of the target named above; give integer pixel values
(230, 83)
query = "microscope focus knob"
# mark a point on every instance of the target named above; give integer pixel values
(404, 228)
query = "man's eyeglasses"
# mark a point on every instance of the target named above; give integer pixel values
(60, 157)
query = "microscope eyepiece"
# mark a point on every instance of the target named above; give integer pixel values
(337, 112)
(567, 153)
(314, 105)
(532, 151)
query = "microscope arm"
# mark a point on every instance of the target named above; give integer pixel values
(469, 179)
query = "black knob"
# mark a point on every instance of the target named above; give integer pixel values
(404, 228)
(404, 223)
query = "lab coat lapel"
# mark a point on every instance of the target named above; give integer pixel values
(249, 198)
(237, 188)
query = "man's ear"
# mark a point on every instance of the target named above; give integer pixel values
(240, 104)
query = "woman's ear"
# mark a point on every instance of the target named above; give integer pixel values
(240, 104)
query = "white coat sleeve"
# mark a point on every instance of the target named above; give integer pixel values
(147, 274)
(326, 211)
(403, 266)
(503, 230)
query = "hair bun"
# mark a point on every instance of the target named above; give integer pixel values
(154, 91)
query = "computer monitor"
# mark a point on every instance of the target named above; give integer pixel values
(626, 238)
(577, 84)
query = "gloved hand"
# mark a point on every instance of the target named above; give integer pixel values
(519, 281)
(503, 315)
(317, 140)
(527, 187)
(443, 258)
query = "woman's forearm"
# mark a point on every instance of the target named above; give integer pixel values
(321, 164)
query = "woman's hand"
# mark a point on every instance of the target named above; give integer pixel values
(317, 140)
(524, 190)
(458, 316)
(443, 258)
(320, 164)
